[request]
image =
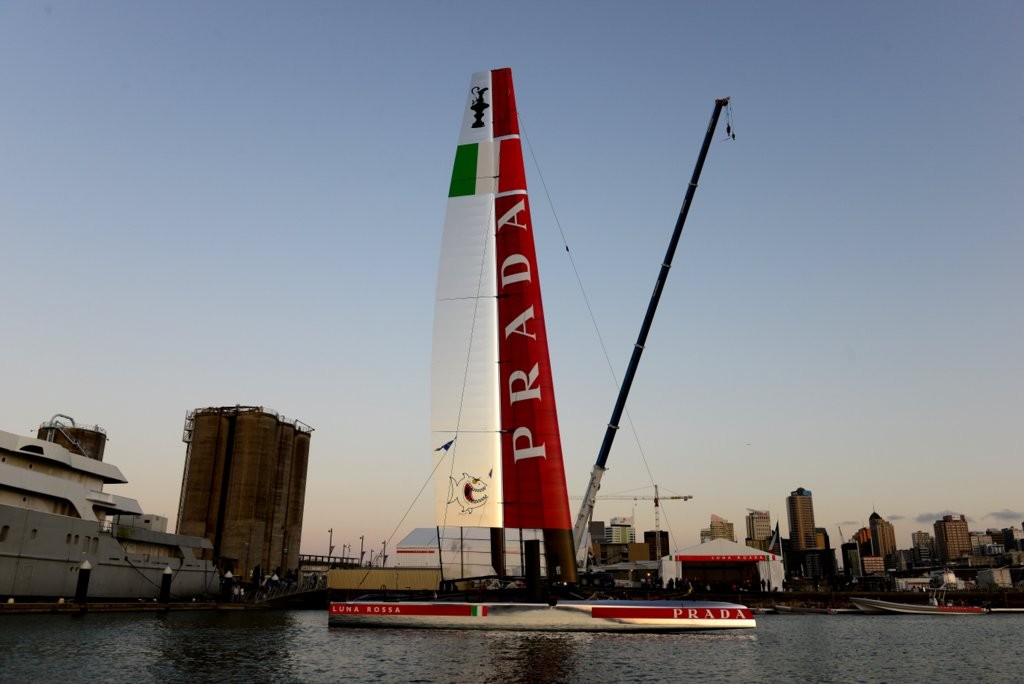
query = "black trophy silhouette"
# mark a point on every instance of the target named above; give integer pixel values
(479, 106)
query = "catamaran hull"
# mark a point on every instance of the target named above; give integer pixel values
(565, 616)
(879, 607)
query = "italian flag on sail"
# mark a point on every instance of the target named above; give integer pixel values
(475, 170)
(489, 157)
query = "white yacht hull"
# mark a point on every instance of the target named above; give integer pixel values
(41, 554)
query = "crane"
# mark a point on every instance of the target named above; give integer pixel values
(590, 497)
(657, 508)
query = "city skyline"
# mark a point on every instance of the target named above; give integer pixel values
(242, 203)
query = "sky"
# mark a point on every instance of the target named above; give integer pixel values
(210, 204)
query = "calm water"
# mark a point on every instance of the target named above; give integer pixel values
(298, 647)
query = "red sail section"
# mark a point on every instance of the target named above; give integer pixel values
(534, 477)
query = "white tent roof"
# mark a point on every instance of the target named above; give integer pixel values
(721, 550)
(769, 565)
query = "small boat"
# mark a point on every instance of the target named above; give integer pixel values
(937, 605)
(783, 609)
(497, 447)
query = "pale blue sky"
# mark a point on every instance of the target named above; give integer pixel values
(216, 203)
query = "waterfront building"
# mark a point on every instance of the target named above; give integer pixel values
(952, 538)
(244, 487)
(800, 507)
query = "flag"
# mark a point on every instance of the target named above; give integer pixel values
(446, 446)
(775, 542)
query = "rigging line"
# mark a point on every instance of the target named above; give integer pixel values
(583, 292)
(409, 509)
(419, 494)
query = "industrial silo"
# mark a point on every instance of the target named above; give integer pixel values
(241, 486)
(208, 434)
(297, 496)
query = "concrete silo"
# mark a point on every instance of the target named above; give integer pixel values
(244, 487)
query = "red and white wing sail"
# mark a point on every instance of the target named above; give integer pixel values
(492, 390)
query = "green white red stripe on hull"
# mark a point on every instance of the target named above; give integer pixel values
(564, 616)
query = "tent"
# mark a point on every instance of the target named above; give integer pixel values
(724, 562)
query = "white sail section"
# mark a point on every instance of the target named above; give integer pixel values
(464, 368)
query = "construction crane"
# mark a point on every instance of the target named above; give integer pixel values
(657, 510)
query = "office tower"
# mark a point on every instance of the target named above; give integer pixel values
(720, 529)
(800, 508)
(657, 544)
(759, 529)
(883, 536)
(921, 538)
(620, 531)
(952, 538)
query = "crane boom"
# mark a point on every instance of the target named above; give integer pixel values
(586, 511)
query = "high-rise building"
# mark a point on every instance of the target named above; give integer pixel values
(952, 538)
(657, 544)
(620, 531)
(922, 548)
(759, 529)
(851, 559)
(720, 529)
(244, 487)
(883, 536)
(923, 556)
(1012, 537)
(921, 538)
(800, 507)
(863, 540)
(979, 540)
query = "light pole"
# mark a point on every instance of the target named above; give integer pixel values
(361, 552)
(384, 553)
(330, 542)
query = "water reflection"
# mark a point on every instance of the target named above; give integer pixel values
(251, 645)
(537, 657)
(298, 647)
